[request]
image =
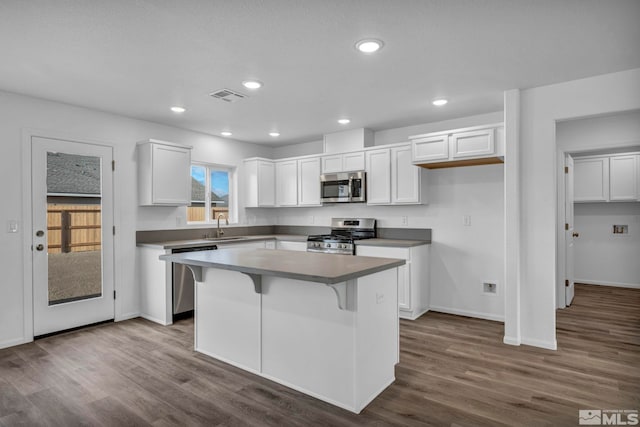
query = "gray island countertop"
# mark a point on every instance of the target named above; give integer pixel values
(313, 267)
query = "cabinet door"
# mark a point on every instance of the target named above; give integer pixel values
(332, 164)
(353, 162)
(309, 182)
(404, 271)
(266, 184)
(405, 177)
(591, 180)
(171, 179)
(430, 149)
(479, 143)
(623, 178)
(378, 177)
(287, 183)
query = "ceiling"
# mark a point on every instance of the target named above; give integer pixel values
(138, 58)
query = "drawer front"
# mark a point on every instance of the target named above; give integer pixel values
(473, 144)
(431, 149)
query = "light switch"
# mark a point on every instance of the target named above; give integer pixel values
(466, 220)
(405, 220)
(12, 226)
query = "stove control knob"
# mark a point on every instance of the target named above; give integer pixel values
(327, 245)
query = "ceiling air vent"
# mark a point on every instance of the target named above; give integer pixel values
(227, 95)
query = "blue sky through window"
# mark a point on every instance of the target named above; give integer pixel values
(220, 182)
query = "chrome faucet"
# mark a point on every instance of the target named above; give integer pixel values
(220, 233)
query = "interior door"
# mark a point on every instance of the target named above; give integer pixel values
(72, 237)
(569, 232)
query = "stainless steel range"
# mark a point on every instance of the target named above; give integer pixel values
(344, 231)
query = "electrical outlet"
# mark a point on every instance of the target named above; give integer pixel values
(466, 220)
(179, 221)
(12, 226)
(404, 220)
(379, 298)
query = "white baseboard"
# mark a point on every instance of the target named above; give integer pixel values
(468, 313)
(512, 340)
(153, 319)
(14, 342)
(614, 284)
(549, 345)
(412, 315)
(127, 316)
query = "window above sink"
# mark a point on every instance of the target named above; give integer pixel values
(212, 193)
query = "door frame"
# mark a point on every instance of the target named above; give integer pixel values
(561, 300)
(27, 220)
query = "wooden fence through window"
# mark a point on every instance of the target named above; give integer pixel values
(73, 228)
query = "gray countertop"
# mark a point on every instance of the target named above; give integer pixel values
(195, 243)
(313, 267)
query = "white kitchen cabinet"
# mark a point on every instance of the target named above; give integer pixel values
(478, 145)
(259, 183)
(164, 173)
(287, 183)
(413, 277)
(347, 162)
(309, 182)
(379, 177)
(406, 179)
(591, 179)
(392, 179)
(623, 178)
(287, 245)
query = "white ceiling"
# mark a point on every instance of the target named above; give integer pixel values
(138, 58)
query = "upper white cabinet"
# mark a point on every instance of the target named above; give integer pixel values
(379, 177)
(346, 162)
(406, 179)
(613, 178)
(478, 145)
(623, 178)
(164, 173)
(260, 181)
(287, 183)
(392, 179)
(591, 179)
(309, 182)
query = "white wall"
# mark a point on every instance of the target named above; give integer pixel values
(461, 257)
(295, 150)
(602, 257)
(18, 113)
(540, 109)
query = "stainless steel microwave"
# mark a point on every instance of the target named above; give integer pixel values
(343, 187)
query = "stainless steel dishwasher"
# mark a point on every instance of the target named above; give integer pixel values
(183, 284)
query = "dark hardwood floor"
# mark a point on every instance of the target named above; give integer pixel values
(453, 371)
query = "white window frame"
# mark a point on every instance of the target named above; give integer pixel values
(233, 199)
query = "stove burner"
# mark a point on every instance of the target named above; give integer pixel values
(344, 232)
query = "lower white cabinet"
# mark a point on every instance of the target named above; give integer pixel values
(413, 277)
(156, 280)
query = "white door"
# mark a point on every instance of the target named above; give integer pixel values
(569, 231)
(72, 234)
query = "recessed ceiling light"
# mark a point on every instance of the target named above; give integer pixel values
(369, 45)
(252, 84)
(178, 109)
(439, 102)
(344, 121)
(226, 133)
(274, 134)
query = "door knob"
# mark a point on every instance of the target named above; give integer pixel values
(40, 247)
(576, 234)
(39, 233)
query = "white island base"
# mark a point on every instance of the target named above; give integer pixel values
(294, 332)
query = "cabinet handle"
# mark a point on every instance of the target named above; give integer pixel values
(576, 234)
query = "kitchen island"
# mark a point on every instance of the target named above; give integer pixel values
(323, 324)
